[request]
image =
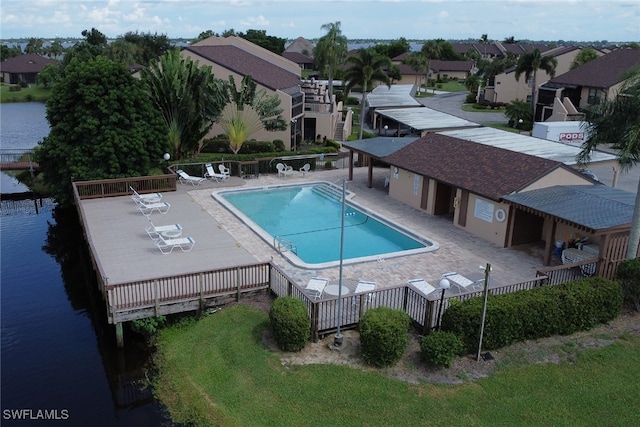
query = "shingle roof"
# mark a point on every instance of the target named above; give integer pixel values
(441, 66)
(246, 64)
(602, 72)
(27, 63)
(297, 57)
(597, 207)
(485, 170)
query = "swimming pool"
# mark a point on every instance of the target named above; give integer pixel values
(303, 222)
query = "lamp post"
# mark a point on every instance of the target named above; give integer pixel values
(486, 269)
(385, 130)
(166, 158)
(337, 341)
(444, 285)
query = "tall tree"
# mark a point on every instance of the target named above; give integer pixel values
(330, 51)
(420, 64)
(529, 64)
(93, 45)
(102, 126)
(363, 70)
(249, 111)
(149, 46)
(584, 56)
(35, 46)
(617, 122)
(484, 41)
(188, 97)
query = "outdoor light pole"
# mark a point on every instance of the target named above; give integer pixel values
(166, 157)
(486, 269)
(444, 285)
(385, 130)
(337, 341)
(295, 131)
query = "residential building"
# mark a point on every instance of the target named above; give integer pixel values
(23, 68)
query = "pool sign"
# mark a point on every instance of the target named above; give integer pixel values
(571, 137)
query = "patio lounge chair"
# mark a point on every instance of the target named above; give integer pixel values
(362, 287)
(224, 170)
(459, 280)
(316, 286)
(157, 232)
(148, 209)
(213, 175)
(185, 178)
(304, 170)
(147, 198)
(284, 170)
(167, 246)
(422, 286)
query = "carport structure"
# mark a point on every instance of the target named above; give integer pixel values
(422, 120)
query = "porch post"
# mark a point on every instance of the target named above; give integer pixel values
(351, 165)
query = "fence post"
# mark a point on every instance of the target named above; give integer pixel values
(155, 298)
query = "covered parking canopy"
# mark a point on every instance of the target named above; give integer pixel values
(425, 120)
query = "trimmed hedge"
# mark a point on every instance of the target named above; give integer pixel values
(628, 274)
(290, 323)
(441, 348)
(564, 309)
(384, 336)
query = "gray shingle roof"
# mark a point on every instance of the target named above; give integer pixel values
(602, 72)
(27, 63)
(597, 207)
(246, 64)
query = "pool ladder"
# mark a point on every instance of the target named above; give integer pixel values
(282, 245)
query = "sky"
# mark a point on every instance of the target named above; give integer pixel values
(569, 20)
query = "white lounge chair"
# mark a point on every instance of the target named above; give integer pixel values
(422, 286)
(362, 287)
(304, 170)
(148, 198)
(167, 246)
(316, 286)
(213, 175)
(284, 170)
(166, 231)
(185, 178)
(148, 209)
(459, 280)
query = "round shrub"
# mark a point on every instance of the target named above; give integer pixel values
(290, 323)
(384, 336)
(278, 145)
(441, 348)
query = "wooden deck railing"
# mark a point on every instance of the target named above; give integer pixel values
(120, 186)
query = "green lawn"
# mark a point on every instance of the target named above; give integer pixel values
(29, 94)
(217, 371)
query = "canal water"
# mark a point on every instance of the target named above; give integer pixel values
(59, 363)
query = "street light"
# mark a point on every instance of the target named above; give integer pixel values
(385, 130)
(167, 156)
(337, 340)
(487, 270)
(444, 285)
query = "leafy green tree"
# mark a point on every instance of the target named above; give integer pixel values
(584, 56)
(188, 97)
(35, 46)
(472, 83)
(363, 70)
(49, 75)
(123, 51)
(519, 110)
(393, 49)
(205, 35)
(102, 126)
(260, 37)
(617, 122)
(149, 47)
(93, 45)
(55, 49)
(7, 52)
(249, 111)
(330, 50)
(529, 64)
(420, 64)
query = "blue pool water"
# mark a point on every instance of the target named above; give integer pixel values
(311, 220)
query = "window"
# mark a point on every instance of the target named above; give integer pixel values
(595, 96)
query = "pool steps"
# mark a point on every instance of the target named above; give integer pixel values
(328, 191)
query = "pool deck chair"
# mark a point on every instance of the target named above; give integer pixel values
(362, 287)
(211, 174)
(148, 209)
(422, 286)
(304, 170)
(224, 170)
(157, 232)
(167, 246)
(316, 286)
(459, 280)
(284, 170)
(147, 198)
(185, 178)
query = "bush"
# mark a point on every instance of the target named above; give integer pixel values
(290, 323)
(148, 326)
(384, 336)
(332, 143)
(535, 313)
(278, 145)
(628, 274)
(470, 99)
(441, 348)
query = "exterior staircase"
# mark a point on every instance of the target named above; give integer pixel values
(337, 136)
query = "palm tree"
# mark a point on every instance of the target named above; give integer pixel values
(529, 64)
(189, 98)
(330, 51)
(617, 122)
(363, 70)
(432, 49)
(420, 64)
(249, 111)
(584, 56)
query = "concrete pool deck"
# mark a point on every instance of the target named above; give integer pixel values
(115, 229)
